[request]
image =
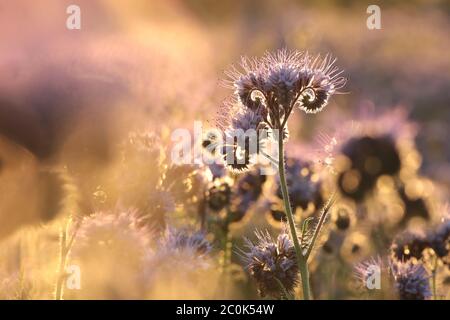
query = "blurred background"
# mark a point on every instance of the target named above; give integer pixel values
(68, 97)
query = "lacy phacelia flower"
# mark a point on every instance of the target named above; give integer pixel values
(278, 82)
(272, 264)
(267, 90)
(363, 150)
(244, 134)
(411, 281)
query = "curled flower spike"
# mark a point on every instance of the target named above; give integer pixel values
(266, 91)
(278, 82)
(273, 264)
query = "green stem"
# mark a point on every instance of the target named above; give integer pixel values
(301, 260)
(434, 278)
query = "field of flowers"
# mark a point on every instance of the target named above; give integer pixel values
(206, 149)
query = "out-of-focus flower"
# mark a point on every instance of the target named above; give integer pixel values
(409, 245)
(355, 247)
(439, 241)
(110, 250)
(219, 195)
(362, 151)
(111, 231)
(272, 264)
(305, 191)
(178, 240)
(343, 216)
(15, 287)
(370, 159)
(181, 266)
(411, 281)
(413, 244)
(232, 197)
(303, 184)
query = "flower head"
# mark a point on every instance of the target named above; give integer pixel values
(244, 134)
(279, 81)
(411, 281)
(266, 91)
(272, 263)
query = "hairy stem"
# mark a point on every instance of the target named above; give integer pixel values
(302, 263)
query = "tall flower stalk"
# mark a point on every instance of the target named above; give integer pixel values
(266, 92)
(301, 259)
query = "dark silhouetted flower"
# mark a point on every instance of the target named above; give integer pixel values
(370, 158)
(439, 241)
(409, 245)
